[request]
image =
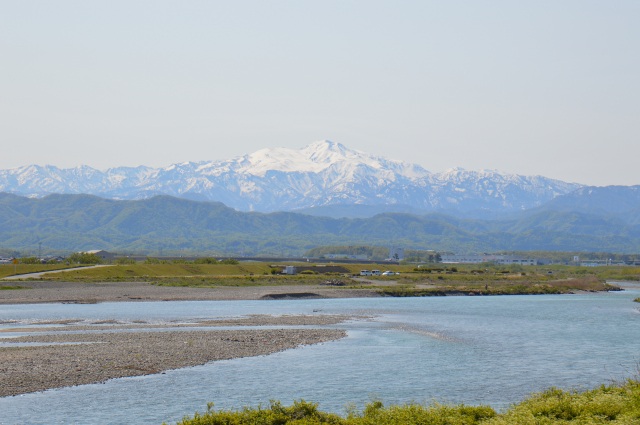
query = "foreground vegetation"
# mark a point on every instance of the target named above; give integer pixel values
(614, 404)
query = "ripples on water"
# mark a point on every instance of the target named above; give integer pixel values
(474, 350)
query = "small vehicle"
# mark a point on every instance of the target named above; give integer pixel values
(365, 272)
(388, 273)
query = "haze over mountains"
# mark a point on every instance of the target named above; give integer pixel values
(347, 198)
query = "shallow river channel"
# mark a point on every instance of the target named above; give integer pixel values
(472, 350)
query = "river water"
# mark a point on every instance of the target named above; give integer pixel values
(472, 350)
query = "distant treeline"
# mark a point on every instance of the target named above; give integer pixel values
(431, 256)
(167, 226)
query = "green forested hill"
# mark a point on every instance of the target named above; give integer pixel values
(171, 225)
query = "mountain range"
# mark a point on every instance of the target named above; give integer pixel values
(323, 178)
(283, 202)
(168, 225)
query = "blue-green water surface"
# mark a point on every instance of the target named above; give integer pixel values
(472, 350)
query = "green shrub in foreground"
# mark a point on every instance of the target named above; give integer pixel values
(415, 414)
(613, 405)
(305, 413)
(300, 413)
(619, 405)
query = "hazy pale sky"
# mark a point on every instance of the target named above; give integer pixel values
(544, 87)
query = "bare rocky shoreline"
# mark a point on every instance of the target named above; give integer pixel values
(87, 293)
(58, 358)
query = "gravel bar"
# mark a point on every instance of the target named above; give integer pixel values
(132, 349)
(86, 358)
(30, 292)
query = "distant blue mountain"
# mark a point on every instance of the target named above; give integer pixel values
(170, 225)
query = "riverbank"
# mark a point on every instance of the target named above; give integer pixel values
(31, 292)
(60, 359)
(40, 291)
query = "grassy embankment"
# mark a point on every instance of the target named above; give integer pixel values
(614, 404)
(7, 270)
(11, 287)
(17, 269)
(434, 280)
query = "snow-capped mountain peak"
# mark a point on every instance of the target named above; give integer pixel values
(277, 159)
(328, 152)
(320, 174)
(313, 158)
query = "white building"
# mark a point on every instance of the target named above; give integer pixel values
(289, 270)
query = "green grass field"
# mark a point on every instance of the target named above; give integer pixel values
(11, 269)
(410, 280)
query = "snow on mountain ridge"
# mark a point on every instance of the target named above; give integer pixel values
(277, 159)
(322, 173)
(314, 158)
